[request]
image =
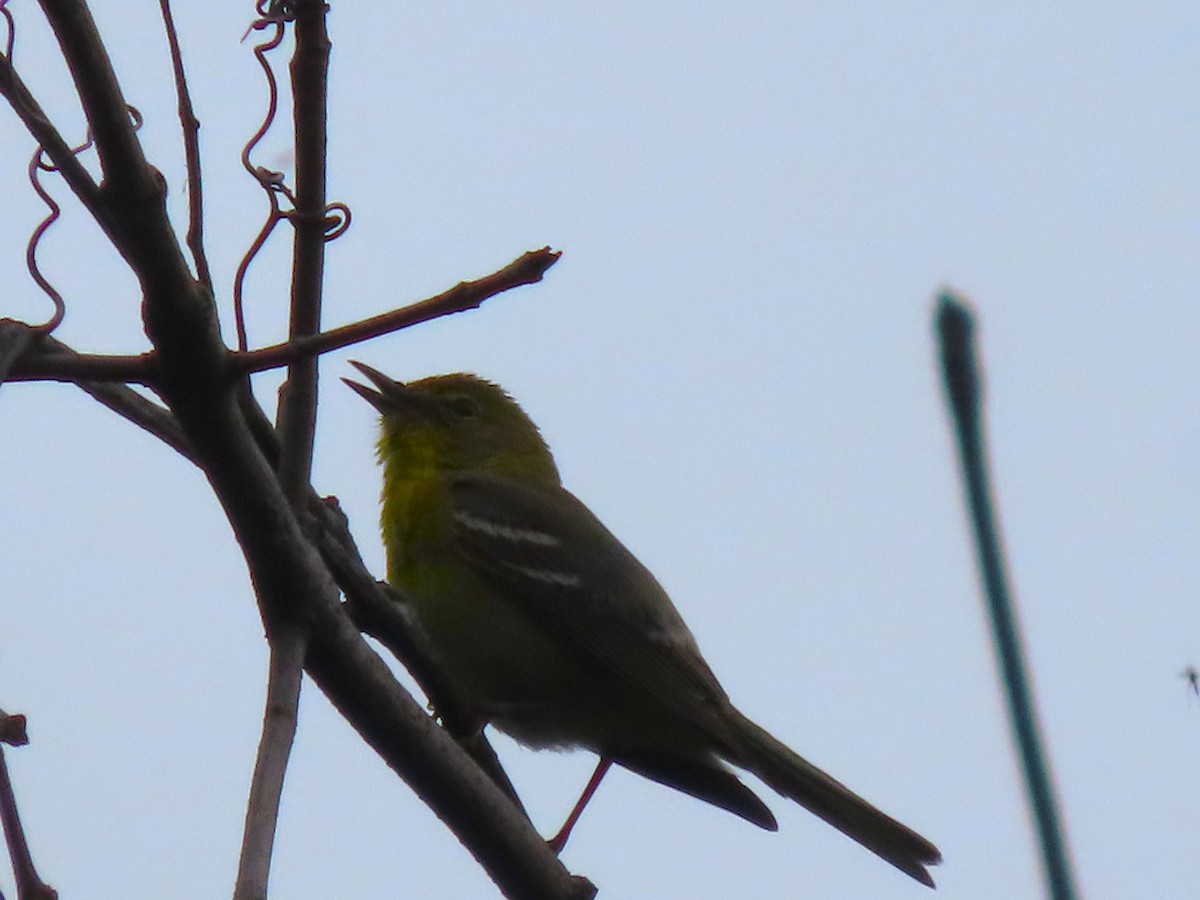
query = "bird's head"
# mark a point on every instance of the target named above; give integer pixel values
(455, 423)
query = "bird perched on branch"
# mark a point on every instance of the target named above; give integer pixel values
(554, 632)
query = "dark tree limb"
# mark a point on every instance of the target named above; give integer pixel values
(15, 340)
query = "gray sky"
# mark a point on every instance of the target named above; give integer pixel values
(733, 362)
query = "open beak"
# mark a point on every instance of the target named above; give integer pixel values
(388, 396)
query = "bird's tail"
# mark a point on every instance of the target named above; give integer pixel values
(759, 752)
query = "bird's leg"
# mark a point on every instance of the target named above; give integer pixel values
(560, 840)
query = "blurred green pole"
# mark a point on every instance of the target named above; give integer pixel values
(955, 327)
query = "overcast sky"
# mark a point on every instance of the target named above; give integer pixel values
(734, 365)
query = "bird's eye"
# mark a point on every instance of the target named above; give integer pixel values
(463, 407)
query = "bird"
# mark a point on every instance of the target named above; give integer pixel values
(554, 633)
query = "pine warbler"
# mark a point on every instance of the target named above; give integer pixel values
(554, 631)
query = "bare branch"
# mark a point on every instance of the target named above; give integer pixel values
(191, 145)
(61, 153)
(526, 269)
(274, 748)
(38, 365)
(297, 420)
(104, 104)
(29, 885)
(132, 201)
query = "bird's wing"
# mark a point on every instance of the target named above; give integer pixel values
(567, 572)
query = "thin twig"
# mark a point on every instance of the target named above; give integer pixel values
(191, 145)
(527, 269)
(297, 418)
(274, 217)
(29, 885)
(288, 646)
(960, 368)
